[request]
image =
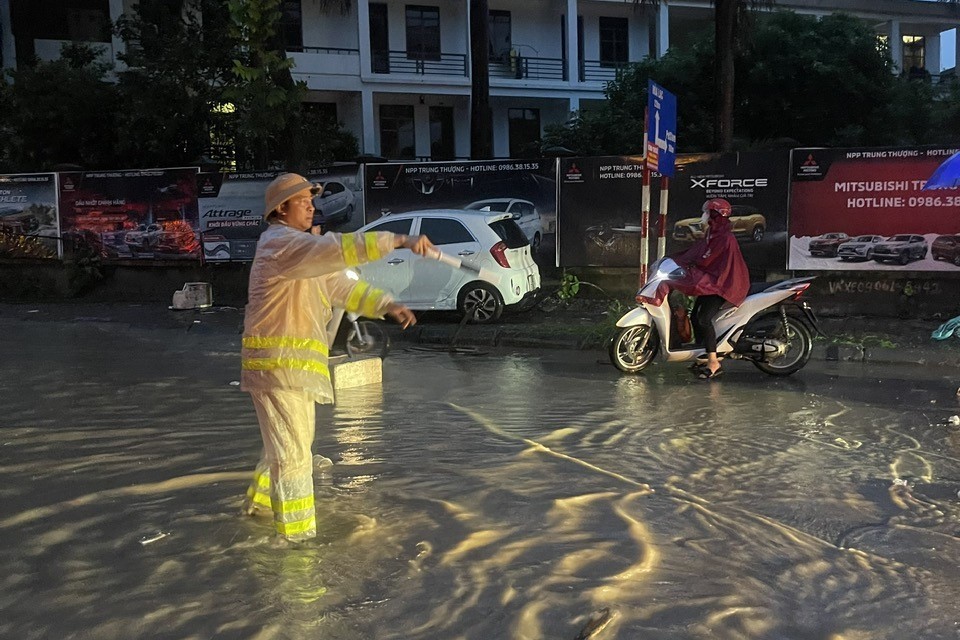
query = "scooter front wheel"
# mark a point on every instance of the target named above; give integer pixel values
(633, 348)
(368, 338)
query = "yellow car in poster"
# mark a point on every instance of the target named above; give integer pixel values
(746, 222)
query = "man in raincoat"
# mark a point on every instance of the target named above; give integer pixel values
(296, 277)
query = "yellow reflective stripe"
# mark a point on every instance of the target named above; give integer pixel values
(292, 506)
(293, 528)
(369, 308)
(267, 364)
(356, 294)
(350, 250)
(263, 481)
(258, 498)
(373, 247)
(271, 342)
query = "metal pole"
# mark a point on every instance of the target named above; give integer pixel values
(662, 235)
(645, 227)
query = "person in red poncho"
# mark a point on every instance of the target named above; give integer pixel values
(716, 273)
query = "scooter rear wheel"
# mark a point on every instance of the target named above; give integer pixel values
(799, 345)
(626, 353)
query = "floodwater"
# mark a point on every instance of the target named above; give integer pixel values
(477, 496)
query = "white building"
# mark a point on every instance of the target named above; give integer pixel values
(397, 72)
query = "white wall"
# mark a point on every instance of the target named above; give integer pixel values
(639, 29)
(535, 24)
(453, 25)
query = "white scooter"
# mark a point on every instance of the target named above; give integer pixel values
(760, 330)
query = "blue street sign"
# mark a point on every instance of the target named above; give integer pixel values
(661, 129)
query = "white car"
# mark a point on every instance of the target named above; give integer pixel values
(487, 240)
(523, 212)
(334, 206)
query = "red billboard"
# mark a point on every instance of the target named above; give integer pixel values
(865, 210)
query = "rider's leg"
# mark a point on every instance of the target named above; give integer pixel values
(705, 310)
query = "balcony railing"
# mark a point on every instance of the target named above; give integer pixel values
(525, 68)
(327, 50)
(600, 70)
(419, 63)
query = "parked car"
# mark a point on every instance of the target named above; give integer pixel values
(827, 245)
(523, 211)
(745, 222)
(334, 205)
(903, 248)
(859, 248)
(491, 240)
(946, 248)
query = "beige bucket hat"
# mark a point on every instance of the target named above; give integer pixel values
(284, 187)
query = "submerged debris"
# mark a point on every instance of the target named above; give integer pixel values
(598, 620)
(160, 535)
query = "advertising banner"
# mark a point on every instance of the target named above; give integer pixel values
(525, 188)
(231, 208)
(133, 215)
(29, 225)
(863, 210)
(600, 200)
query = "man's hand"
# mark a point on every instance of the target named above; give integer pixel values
(402, 314)
(420, 245)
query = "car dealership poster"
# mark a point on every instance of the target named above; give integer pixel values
(133, 215)
(400, 187)
(600, 200)
(29, 225)
(864, 209)
(231, 208)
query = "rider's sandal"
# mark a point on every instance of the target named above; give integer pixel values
(706, 374)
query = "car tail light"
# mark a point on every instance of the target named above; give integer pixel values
(498, 252)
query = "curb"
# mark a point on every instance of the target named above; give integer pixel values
(454, 336)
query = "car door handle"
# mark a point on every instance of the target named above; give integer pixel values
(395, 261)
(465, 253)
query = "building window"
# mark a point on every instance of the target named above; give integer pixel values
(500, 36)
(324, 111)
(442, 145)
(397, 132)
(379, 38)
(614, 43)
(914, 48)
(291, 25)
(524, 127)
(423, 32)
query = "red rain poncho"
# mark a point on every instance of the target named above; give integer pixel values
(714, 265)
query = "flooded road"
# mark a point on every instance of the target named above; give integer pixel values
(475, 495)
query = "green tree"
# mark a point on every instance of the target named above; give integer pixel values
(820, 81)
(730, 27)
(60, 112)
(178, 57)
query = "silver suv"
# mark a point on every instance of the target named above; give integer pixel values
(901, 248)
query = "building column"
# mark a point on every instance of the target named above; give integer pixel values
(116, 12)
(573, 63)
(932, 53)
(363, 35)
(369, 140)
(574, 104)
(421, 130)
(950, 61)
(896, 46)
(9, 51)
(663, 29)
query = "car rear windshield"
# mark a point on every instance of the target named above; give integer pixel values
(509, 231)
(489, 206)
(901, 238)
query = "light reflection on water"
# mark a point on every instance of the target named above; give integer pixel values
(490, 496)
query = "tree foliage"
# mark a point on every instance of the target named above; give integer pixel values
(801, 81)
(59, 112)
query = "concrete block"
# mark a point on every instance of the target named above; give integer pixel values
(355, 372)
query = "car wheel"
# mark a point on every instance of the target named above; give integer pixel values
(535, 245)
(481, 301)
(869, 254)
(956, 259)
(757, 234)
(348, 214)
(904, 257)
